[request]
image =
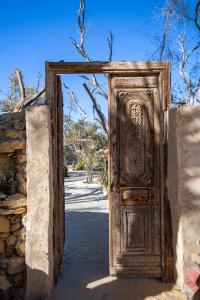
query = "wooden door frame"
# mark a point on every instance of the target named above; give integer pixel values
(162, 71)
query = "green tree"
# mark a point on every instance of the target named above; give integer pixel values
(86, 140)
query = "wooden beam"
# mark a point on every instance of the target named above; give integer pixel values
(106, 67)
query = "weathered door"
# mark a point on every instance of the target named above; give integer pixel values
(136, 174)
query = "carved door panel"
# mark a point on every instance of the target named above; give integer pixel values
(135, 172)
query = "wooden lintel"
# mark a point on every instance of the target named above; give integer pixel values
(106, 67)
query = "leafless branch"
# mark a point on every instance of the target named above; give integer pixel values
(21, 104)
(196, 15)
(38, 82)
(74, 100)
(21, 84)
(97, 109)
(168, 14)
(110, 45)
(80, 47)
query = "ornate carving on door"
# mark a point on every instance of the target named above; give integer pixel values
(135, 176)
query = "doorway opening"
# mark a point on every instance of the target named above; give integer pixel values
(85, 152)
(140, 243)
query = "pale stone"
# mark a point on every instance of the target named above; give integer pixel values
(4, 225)
(12, 145)
(24, 220)
(196, 259)
(16, 265)
(2, 247)
(4, 283)
(11, 240)
(15, 227)
(13, 211)
(14, 201)
(39, 224)
(20, 248)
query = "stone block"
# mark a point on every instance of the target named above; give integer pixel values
(19, 280)
(15, 227)
(3, 236)
(14, 201)
(16, 265)
(21, 183)
(11, 133)
(11, 240)
(4, 283)
(12, 211)
(20, 248)
(2, 247)
(10, 146)
(15, 219)
(4, 159)
(19, 125)
(4, 225)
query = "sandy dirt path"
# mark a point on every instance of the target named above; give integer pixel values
(85, 273)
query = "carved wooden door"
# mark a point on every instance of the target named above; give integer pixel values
(135, 175)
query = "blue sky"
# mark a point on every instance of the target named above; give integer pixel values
(33, 32)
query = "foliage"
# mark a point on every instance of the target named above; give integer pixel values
(86, 140)
(17, 91)
(65, 170)
(80, 166)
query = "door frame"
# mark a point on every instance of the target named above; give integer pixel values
(162, 71)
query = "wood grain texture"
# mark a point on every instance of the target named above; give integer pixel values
(106, 67)
(137, 179)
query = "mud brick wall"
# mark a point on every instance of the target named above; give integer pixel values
(184, 187)
(12, 205)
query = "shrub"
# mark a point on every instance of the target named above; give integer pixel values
(65, 170)
(80, 166)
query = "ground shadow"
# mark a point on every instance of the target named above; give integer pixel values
(86, 267)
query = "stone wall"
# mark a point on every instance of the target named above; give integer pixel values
(184, 186)
(12, 205)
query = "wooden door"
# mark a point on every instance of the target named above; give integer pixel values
(136, 175)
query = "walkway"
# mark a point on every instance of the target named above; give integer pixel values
(85, 270)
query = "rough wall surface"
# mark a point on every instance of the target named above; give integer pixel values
(184, 186)
(39, 258)
(12, 205)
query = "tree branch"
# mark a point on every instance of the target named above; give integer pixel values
(75, 101)
(21, 84)
(196, 15)
(98, 109)
(110, 45)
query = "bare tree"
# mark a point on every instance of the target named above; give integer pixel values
(19, 95)
(180, 43)
(92, 85)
